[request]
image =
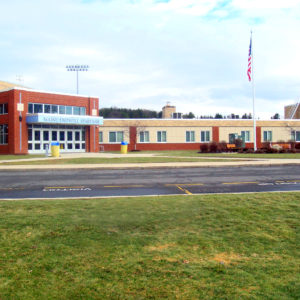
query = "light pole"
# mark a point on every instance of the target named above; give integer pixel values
(77, 68)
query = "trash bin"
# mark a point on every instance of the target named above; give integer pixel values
(55, 149)
(124, 146)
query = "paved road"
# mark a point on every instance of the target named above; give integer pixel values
(133, 182)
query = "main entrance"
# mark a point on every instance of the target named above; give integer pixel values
(70, 138)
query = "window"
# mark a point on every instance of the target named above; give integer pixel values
(116, 136)
(54, 109)
(30, 108)
(76, 110)
(144, 137)
(3, 134)
(190, 136)
(82, 111)
(47, 108)
(161, 136)
(268, 136)
(62, 110)
(3, 109)
(245, 135)
(38, 108)
(69, 110)
(205, 136)
(100, 136)
(296, 136)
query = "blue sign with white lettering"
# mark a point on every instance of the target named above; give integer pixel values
(63, 119)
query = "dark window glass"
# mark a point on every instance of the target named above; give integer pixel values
(54, 109)
(54, 135)
(61, 135)
(47, 108)
(38, 108)
(29, 146)
(37, 135)
(77, 146)
(29, 134)
(37, 146)
(70, 146)
(70, 135)
(46, 135)
(77, 136)
(30, 108)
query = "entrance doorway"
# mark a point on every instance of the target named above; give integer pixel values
(70, 138)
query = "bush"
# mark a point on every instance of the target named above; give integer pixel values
(204, 148)
(213, 147)
(250, 151)
(223, 146)
(238, 143)
(260, 151)
(297, 146)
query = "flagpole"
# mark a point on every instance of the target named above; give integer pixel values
(253, 95)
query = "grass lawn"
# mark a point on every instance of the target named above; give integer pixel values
(116, 160)
(183, 247)
(189, 153)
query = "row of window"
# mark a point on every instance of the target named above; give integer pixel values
(36, 108)
(3, 108)
(118, 136)
(205, 136)
(3, 134)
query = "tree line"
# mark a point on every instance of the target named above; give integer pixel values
(127, 113)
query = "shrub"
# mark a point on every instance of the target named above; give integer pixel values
(238, 143)
(213, 147)
(260, 151)
(250, 151)
(222, 146)
(297, 145)
(204, 148)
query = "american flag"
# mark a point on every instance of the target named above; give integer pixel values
(250, 61)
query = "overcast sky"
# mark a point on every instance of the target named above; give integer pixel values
(143, 53)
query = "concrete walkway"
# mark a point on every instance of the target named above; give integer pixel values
(231, 162)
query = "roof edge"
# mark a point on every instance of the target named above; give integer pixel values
(45, 92)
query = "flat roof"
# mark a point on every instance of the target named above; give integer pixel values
(45, 92)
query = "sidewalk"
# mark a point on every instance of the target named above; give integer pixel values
(231, 163)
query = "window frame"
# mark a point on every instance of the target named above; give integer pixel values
(245, 133)
(144, 136)
(205, 136)
(4, 134)
(190, 136)
(161, 136)
(267, 136)
(119, 137)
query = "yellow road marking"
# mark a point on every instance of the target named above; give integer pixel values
(247, 182)
(184, 190)
(183, 184)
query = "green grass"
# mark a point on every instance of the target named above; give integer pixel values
(13, 157)
(116, 160)
(183, 247)
(189, 153)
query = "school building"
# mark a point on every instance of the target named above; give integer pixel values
(31, 120)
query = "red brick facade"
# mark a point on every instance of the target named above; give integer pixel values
(16, 121)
